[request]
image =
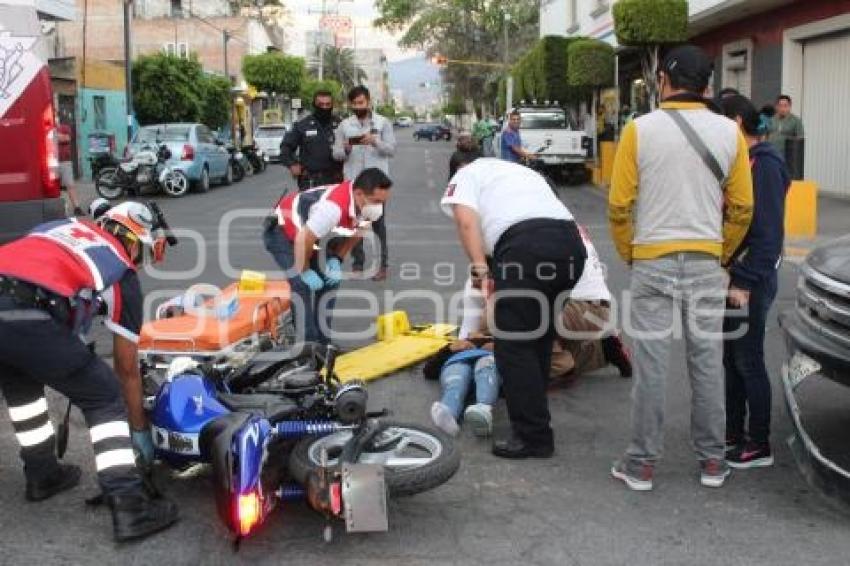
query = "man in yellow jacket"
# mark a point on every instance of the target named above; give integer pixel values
(680, 204)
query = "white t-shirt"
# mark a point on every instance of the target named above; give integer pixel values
(503, 194)
(591, 285)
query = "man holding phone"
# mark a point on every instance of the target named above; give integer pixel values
(363, 140)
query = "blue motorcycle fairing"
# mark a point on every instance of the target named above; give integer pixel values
(249, 448)
(181, 409)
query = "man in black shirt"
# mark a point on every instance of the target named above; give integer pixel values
(307, 148)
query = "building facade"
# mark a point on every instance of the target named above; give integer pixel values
(174, 26)
(763, 48)
(373, 61)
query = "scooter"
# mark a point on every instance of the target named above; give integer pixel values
(255, 156)
(147, 168)
(239, 163)
(283, 428)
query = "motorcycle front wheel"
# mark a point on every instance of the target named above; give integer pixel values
(415, 458)
(175, 184)
(107, 184)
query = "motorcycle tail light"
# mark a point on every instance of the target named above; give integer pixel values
(188, 153)
(248, 512)
(50, 163)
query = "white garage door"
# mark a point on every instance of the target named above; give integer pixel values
(826, 112)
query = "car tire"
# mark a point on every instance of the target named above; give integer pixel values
(228, 176)
(202, 185)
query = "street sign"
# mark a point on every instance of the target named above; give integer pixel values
(296, 104)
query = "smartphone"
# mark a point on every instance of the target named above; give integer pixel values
(356, 140)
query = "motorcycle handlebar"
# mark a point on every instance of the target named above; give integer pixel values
(159, 218)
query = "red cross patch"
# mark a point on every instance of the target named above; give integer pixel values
(450, 191)
(83, 234)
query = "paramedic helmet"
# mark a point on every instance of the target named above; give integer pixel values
(135, 224)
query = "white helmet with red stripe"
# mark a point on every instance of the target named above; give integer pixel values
(133, 222)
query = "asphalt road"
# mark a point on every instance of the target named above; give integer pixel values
(564, 511)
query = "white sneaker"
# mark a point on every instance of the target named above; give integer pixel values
(480, 419)
(443, 419)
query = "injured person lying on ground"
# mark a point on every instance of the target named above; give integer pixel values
(585, 342)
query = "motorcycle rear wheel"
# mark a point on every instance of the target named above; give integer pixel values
(415, 458)
(107, 185)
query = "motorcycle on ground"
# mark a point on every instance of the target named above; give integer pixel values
(286, 430)
(148, 168)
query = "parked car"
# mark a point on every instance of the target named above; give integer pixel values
(432, 132)
(445, 132)
(404, 122)
(194, 150)
(268, 138)
(29, 162)
(817, 336)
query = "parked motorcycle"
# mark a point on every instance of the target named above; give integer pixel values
(100, 161)
(255, 156)
(287, 430)
(147, 168)
(239, 163)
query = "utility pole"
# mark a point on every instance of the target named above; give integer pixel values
(128, 75)
(225, 36)
(509, 80)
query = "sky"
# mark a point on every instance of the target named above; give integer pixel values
(305, 15)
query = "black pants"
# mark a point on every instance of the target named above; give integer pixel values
(380, 228)
(747, 381)
(36, 351)
(534, 262)
(318, 178)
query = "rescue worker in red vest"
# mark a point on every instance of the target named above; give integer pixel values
(300, 221)
(53, 281)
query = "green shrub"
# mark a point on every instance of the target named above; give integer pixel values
(650, 22)
(590, 63)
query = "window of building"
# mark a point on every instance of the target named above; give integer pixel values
(99, 105)
(737, 66)
(572, 16)
(183, 50)
(176, 8)
(180, 49)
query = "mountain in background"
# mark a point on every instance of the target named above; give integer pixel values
(409, 76)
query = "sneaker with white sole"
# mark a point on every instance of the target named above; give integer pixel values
(480, 419)
(444, 419)
(750, 455)
(636, 476)
(713, 472)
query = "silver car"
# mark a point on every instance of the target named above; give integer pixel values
(268, 138)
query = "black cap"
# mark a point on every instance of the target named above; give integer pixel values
(689, 64)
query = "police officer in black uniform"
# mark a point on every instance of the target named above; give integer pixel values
(307, 148)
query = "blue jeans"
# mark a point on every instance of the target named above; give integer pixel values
(457, 378)
(305, 303)
(747, 382)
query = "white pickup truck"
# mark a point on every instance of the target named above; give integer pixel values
(546, 131)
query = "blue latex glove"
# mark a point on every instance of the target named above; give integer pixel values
(333, 272)
(312, 280)
(143, 445)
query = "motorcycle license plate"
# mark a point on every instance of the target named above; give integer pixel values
(364, 496)
(800, 367)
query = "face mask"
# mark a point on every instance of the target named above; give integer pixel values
(372, 211)
(323, 114)
(361, 112)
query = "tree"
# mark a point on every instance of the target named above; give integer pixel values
(464, 30)
(339, 65)
(216, 102)
(386, 110)
(649, 25)
(167, 88)
(311, 86)
(274, 73)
